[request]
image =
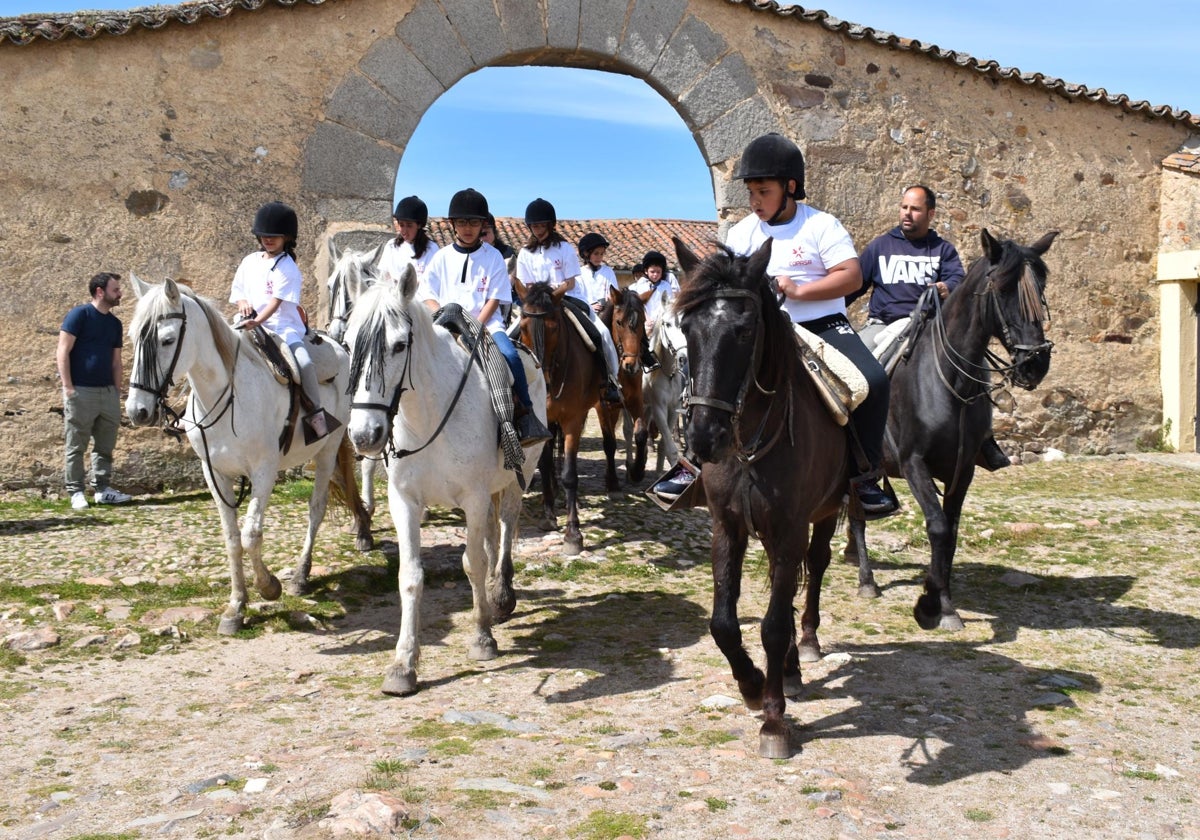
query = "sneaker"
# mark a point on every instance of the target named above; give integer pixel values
(874, 501)
(79, 500)
(650, 361)
(530, 430)
(107, 496)
(673, 487)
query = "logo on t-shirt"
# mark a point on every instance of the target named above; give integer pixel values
(797, 257)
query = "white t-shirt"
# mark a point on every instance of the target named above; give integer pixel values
(259, 279)
(597, 283)
(555, 265)
(469, 279)
(803, 251)
(396, 257)
(664, 292)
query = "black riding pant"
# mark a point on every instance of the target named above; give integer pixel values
(870, 418)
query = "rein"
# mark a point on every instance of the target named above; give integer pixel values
(393, 407)
(537, 332)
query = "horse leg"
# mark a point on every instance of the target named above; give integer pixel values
(343, 474)
(778, 631)
(478, 512)
(400, 678)
(367, 469)
(856, 552)
(501, 592)
(608, 434)
(549, 487)
(252, 534)
(636, 470)
(317, 504)
(235, 614)
(934, 608)
(728, 551)
(572, 538)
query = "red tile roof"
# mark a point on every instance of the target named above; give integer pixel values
(629, 239)
(1184, 162)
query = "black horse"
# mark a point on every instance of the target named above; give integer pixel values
(941, 413)
(774, 464)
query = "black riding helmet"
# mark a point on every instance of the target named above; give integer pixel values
(772, 156)
(655, 258)
(468, 204)
(540, 211)
(412, 209)
(590, 242)
(276, 219)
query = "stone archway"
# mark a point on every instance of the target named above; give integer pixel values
(352, 155)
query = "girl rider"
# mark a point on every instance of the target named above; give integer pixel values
(411, 245)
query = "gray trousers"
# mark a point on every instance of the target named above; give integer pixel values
(92, 415)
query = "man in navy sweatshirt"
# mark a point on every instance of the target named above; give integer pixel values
(900, 265)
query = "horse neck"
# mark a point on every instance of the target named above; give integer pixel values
(435, 366)
(967, 332)
(208, 374)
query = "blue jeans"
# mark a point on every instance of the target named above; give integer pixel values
(509, 351)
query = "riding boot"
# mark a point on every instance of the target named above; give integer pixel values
(530, 430)
(876, 502)
(991, 457)
(649, 360)
(610, 392)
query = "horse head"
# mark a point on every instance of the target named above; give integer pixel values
(541, 322)
(729, 317)
(158, 327)
(1016, 301)
(629, 327)
(380, 334)
(353, 273)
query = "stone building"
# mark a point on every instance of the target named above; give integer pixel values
(144, 140)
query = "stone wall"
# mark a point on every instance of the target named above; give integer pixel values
(149, 152)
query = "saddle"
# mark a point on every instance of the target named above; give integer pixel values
(576, 312)
(840, 383)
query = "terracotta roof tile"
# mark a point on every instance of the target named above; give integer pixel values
(629, 239)
(1183, 161)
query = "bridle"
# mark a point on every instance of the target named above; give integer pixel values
(537, 333)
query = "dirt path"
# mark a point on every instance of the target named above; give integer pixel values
(1067, 708)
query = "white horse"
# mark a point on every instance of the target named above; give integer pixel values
(352, 274)
(418, 395)
(662, 389)
(236, 418)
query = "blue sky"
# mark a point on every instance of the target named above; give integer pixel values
(601, 145)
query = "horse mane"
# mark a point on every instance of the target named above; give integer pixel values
(155, 306)
(723, 269)
(538, 296)
(1017, 263)
(380, 305)
(631, 302)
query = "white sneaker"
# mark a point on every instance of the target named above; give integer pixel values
(79, 500)
(109, 496)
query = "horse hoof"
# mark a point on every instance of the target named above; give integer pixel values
(271, 590)
(398, 682)
(571, 547)
(547, 525)
(793, 686)
(229, 625)
(809, 652)
(868, 590)
(296, 586)
(951, 622)
(504, 604)
(364, 543)
(484, 650)
(773, 741)
(927, 619)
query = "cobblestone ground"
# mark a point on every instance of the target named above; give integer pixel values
(1067, 708)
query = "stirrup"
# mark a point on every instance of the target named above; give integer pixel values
(889, 504)
(320, 424)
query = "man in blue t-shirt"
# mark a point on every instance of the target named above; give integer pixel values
(899, 266)
(89, 364)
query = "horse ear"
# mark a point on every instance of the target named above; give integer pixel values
(991, 247)
(559, 293)
(335, 253)
(522, 289)
(614, 295)
(408, 282)
(757, 267)
(687, 257)
(1043, 245)
(171, 290)
(140, 286)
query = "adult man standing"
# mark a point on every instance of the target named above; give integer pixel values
(89, 364)
(899, 266)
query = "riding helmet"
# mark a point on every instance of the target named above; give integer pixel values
(468, 204)
(772, 156)
(276, 219)
(590, 242)
(655, 258)
(540, 211)
(412, 209)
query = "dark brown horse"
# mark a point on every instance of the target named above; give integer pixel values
(625, 316)
(573, 378)
(774, 466)
(941, 412)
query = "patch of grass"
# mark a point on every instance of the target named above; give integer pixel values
(714, 804)
(438, 730)
(1148, 775)
(979, 815)
(609, 825)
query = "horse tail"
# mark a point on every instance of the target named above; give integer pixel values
(344, 488)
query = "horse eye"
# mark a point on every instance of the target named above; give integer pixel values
(168, 341)
(399, 347)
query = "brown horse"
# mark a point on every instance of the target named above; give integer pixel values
(774, 466)
(625, 316)
(573, 379)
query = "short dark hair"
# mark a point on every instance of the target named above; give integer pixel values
(101, 281)
(930, 197)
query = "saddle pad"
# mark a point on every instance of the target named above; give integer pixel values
(841, 384)
(890, 344)
(587, 339)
